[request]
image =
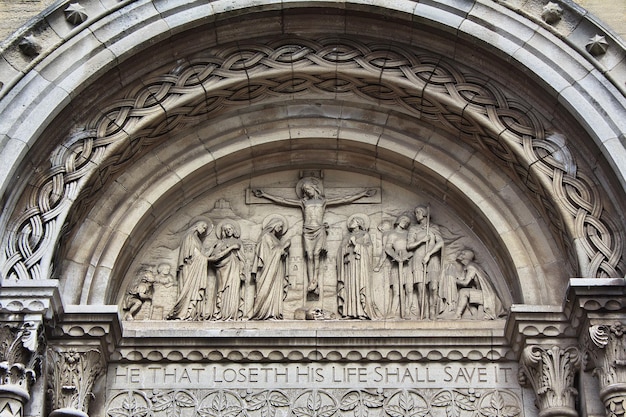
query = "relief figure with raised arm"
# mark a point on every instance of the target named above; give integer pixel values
(312, 201)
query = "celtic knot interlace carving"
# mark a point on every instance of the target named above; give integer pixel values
(421, 84)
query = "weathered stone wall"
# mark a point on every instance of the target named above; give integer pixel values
(16, 13)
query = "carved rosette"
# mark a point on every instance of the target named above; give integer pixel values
(551, 374)
(606, 352)
(72, 375)
(19, 365)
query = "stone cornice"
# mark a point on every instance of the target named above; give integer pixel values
(96, 326)
(538, 325)
(332, 341)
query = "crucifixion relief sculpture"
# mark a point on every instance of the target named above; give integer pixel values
(374, 266)
(312, 201)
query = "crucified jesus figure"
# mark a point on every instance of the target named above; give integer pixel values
(313, 203)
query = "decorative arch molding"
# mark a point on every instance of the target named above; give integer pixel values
(583, 217)
(422, 85)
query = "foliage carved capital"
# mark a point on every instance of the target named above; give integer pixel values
(550, 372)
(72, 374)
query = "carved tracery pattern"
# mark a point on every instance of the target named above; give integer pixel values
(415, 82)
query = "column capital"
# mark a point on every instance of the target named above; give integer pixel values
(550, 371)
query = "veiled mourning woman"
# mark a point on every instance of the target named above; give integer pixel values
(192, 303)
(269, 270)
(227, 258)
(354, 268)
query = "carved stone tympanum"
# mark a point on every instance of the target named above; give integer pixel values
(273, 256)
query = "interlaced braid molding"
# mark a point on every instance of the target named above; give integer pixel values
(408, 80)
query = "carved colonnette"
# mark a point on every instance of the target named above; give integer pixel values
(598, 307)
(50, 355)
(549, 356)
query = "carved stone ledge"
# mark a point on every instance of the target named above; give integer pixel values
(95, 326)
(327, 341)
(30, 297)
(594, 298)
(529, 325)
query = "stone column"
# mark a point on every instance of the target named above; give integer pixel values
(597, 306)
(71, 378)
(550, 372)
(606, 351)
(19, 365)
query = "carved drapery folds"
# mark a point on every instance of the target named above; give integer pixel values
(606, 354)
(72, 375)
(551, 373)
(19, 365)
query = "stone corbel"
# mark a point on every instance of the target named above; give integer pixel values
(72, 374)
(551, 372)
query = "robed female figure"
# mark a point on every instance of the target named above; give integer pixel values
(269, 270)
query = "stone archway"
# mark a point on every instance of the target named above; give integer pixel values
(465, 100)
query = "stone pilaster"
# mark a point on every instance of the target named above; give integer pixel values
(551, 373)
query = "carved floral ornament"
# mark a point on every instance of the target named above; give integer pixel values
(551, 372)
(256, 72)
(72, 375)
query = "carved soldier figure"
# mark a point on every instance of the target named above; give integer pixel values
(395, 249)
(478, 289)
(313, 203)
(426, 242)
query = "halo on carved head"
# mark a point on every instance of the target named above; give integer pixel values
(272, 219)
(363, 219)
(316, 183)
(236, 232)
(201, 219)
